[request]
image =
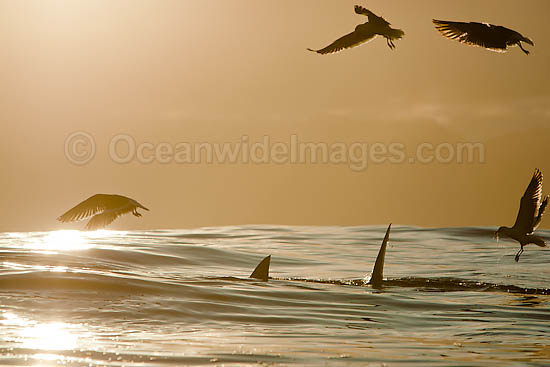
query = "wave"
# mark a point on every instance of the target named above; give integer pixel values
(430, 285)
(124, 283)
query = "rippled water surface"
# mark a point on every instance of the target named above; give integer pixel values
(453, 297)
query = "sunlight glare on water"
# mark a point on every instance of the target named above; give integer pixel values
(64, 240)
(41, 336)
(49, 336)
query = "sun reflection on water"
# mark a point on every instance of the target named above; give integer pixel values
(66, 240)
(61, 240)
(50, 336)
(18, 266)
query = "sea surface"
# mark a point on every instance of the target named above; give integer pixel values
(452, 297)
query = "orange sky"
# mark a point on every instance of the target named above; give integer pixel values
(214, 71)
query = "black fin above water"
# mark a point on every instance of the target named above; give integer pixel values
(262, 270)
(378, 271)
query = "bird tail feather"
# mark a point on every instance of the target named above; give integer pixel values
(142, 207)
(396, 34)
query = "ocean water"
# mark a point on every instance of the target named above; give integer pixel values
(452, 297)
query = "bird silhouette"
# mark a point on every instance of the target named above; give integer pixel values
(529, 216)
(364, 32)
(103, 208)
(489, 36)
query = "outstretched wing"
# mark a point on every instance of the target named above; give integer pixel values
(530, 204)
(372, 17)
(473, 33)
(102, 220)
(348, 41)
(542, 208)
(91, 206)
(104, 208)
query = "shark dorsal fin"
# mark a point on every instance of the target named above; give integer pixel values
(262, 270)
(378, 271)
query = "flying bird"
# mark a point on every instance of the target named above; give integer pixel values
(364, 32)
(529, 216)
(103, 208)
(489, 36)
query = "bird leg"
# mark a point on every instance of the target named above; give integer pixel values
(522, 49)
(390, 43)
(135, 212)
(519, 254)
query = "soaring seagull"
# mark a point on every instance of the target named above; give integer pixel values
(489, 36)
(104, 208)
(364, 33)
(530, 214)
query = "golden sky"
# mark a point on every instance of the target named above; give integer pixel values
(212, 71)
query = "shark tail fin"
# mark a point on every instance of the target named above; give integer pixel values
(378, 271)
(262, 270)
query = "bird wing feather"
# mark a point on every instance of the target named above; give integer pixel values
(530, 204)
(103, 208)
(104, 219)
(541, 212)
(348, 41)
(91, 206)
(473, 33)
(372, 17)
